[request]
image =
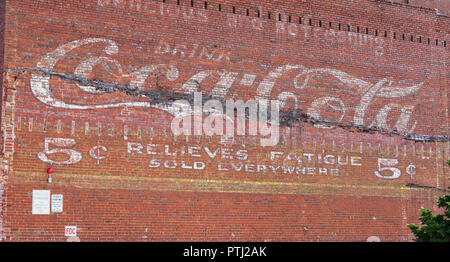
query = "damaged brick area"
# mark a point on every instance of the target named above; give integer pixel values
(288, 118)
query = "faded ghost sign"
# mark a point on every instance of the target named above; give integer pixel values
(139, 80)
(337, 97)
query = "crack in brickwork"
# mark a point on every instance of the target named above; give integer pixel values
(412, 185)
(288, 118)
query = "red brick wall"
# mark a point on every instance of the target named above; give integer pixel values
(382, 87)
(442, 6)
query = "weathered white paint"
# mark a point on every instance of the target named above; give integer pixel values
(385, 164)
(248, 79)
(95, 153)
(332, 102)
(230, 159)
(73, 156)
(402, 123)
(8, 139)
(411, 170)
(40, 85)
(225, 82)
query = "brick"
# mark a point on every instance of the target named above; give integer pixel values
(90, 85)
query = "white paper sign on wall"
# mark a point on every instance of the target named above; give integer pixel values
(57, 203)
(71, 231)
(41, 202)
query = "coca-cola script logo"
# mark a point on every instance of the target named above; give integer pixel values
(384, 88)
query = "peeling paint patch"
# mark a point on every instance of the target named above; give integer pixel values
(9, 137)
